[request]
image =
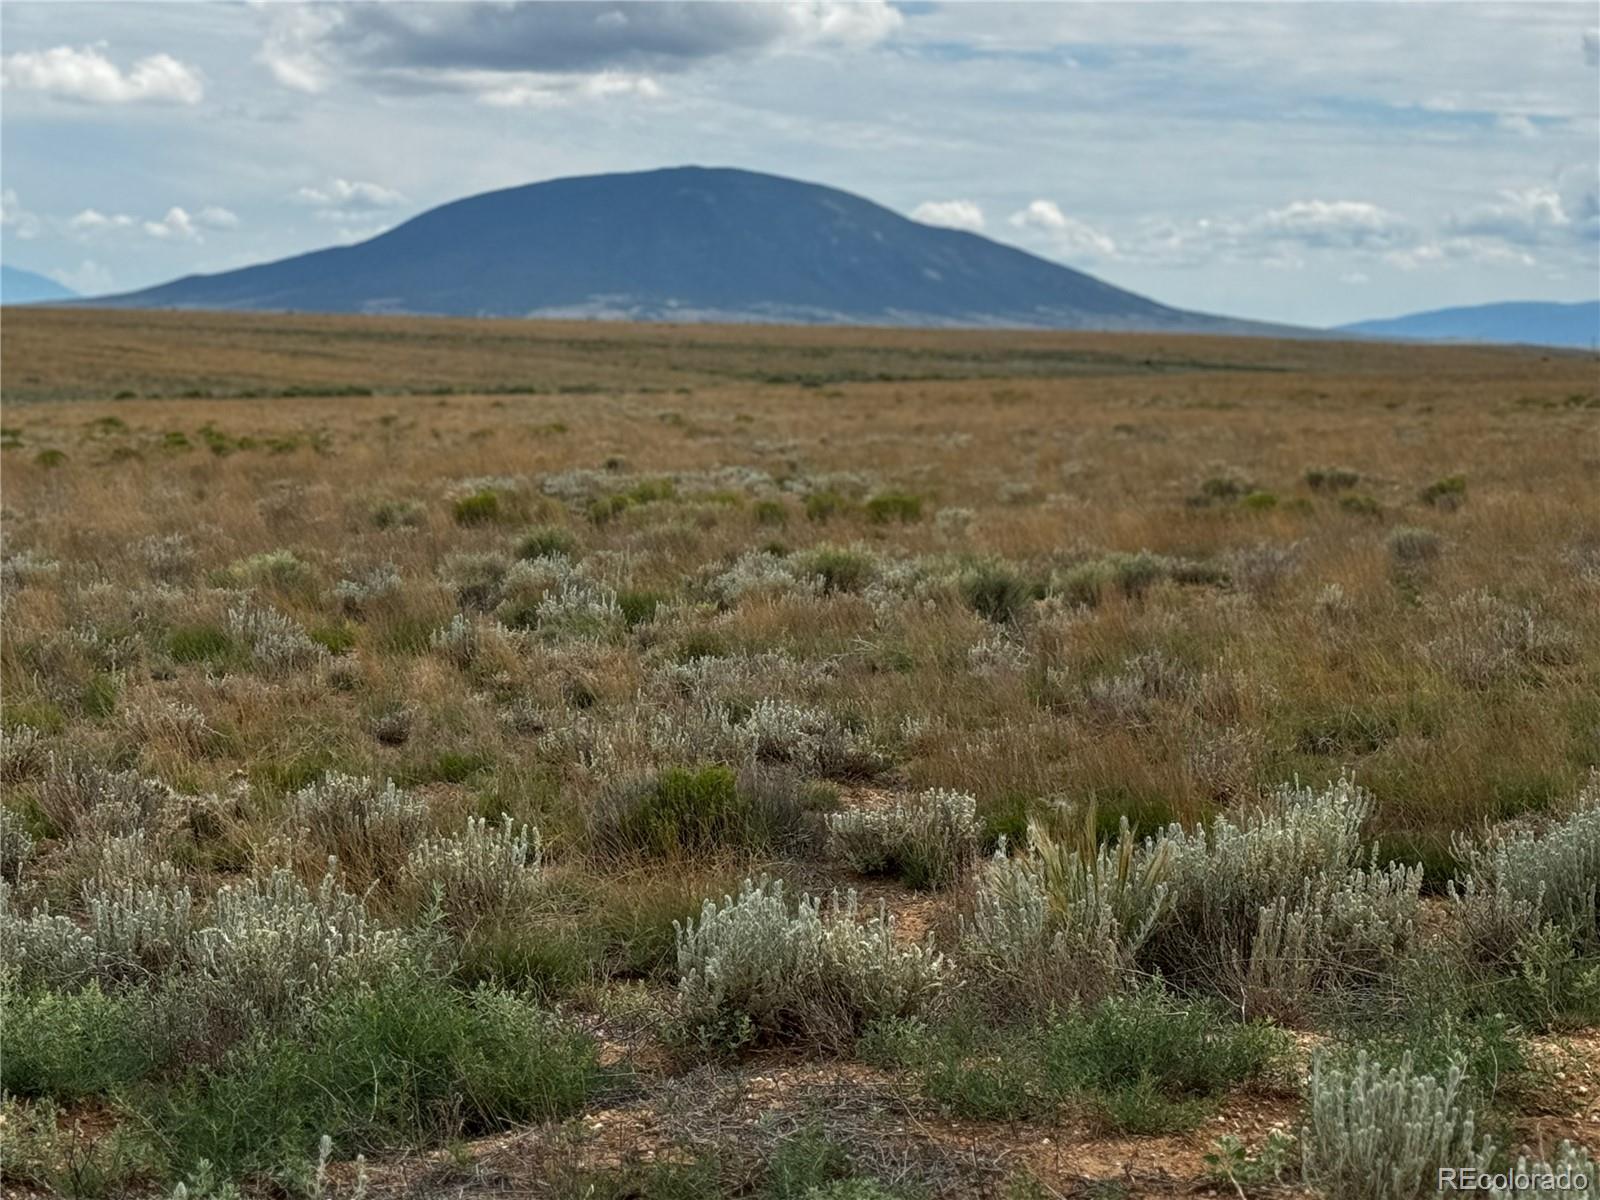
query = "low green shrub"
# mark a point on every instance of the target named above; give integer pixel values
(406, 1063)
(694, 811)
(546, 541)
(894, 506)
(480, 508)
(72, 1045)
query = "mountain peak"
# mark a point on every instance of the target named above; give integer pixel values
(683, 243)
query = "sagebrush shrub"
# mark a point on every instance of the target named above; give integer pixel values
(1062, 922)
(481, 871)
(268, 944)
(1282, 895)
(929, 841)
(1376, 1134)
(752, 969)
(1409, 545)
(22, 753)
(275, 642)
(369, 829)
(82, 799)
(1528, 913)
(810, 739)
(16, 844)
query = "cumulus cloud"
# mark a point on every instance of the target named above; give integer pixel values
(350, 194)
(1563, 212)
(18, 220)
(951, 214)
(177, 225)
(1067, 236)
(544, 91)
(85, 74)
(214, 216)
(93, 221)
(1332, 224)
(451, 47)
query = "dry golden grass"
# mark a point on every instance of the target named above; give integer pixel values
(1282, 634)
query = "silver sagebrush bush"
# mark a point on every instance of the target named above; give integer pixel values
(83, 799)
(482, 870)
(364, 826)
(268, 943)
(16, 844)
(930, 840)
(22, 753)
(1062, 921)
(274, 641)
(1376, 1134)
(751, 968)
(1555, 1178)
(1514, 883)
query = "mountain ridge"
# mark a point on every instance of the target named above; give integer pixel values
(18, 286)
(685, 244)
(1531, 322)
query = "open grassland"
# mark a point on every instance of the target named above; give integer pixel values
(1204, 727)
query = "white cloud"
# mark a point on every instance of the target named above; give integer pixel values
(546, 91)
(177, 226)
(1527, 216)
(351, 194)
(14, 217)
(1342, 224)
(951, 214)
(93, 221)
(1067, 236)
(214, 216)
(87, 75)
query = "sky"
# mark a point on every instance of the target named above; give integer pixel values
(1312, 163)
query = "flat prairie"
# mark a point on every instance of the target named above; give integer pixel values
(1178, 734)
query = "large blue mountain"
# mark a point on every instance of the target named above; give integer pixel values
(687, 243)
(1532, 322)
(24, 287)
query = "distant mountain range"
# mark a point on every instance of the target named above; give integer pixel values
(684, 244)
(1532, 322)
(24, 287)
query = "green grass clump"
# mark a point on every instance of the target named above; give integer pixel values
(1360, 504)
(410, 1063)
(480, 508)
(1449, 492)
(688, 811)
(1331, 479)
(825, 505)
(639, 605)
(71, 1045)
(894, 506)
(840, 570)
(770, 512)
(546, 541)
(1142, 1062)
(995, 591)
